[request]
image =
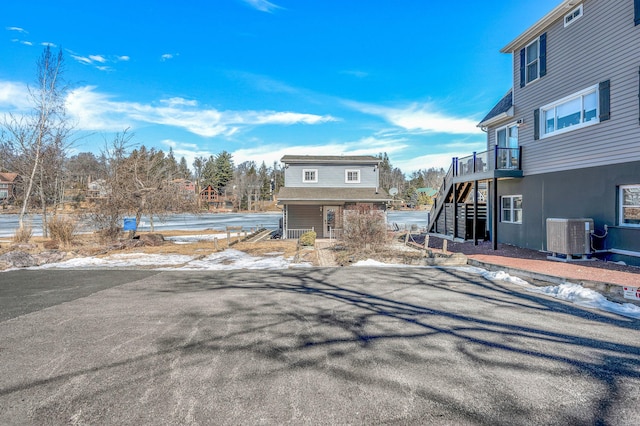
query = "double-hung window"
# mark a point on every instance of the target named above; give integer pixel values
(511, 208)
(629, 205)
(310, 175)
(533, 60)
(352, 176)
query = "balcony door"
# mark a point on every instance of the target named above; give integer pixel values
(508, 148)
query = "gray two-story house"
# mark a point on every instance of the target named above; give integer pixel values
(564, 142)
(317, 190)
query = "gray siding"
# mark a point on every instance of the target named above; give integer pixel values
(581, 193)
(604, 44)
(305, 216)
(331, 176)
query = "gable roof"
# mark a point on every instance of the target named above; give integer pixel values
(542, 24)
(368, 159)
(503, 109)
(8, 177)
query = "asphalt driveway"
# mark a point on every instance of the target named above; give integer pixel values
(310, 346)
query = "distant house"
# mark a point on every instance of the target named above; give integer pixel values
(8, 187)
(185, 185)
(563, 143)
(213, 199)
(97, 189)
(318, 189)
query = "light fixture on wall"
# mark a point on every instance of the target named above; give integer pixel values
(375, 168)
(520, 121)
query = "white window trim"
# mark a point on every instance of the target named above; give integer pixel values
(346, 175)
(304, 174)
(574, 18)
(526, 64)
(621, 188)
(512, 209)
(543, 122)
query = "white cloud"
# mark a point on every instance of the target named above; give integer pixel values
(421, 118)
(366, 146)
(98, 58)
(123, 58)
(14, 96)
(17, 29)
(262, 5)
(82, 59)
(48, 43)
(166, 57)
(96, 111)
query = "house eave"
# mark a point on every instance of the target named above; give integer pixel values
(497, 118)
(539, 27)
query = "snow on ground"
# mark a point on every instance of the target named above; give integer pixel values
(591, 299)
(224, 260)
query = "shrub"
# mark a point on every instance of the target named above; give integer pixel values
(364, 228)
(62, 229)
(308, 238)
(23, 234)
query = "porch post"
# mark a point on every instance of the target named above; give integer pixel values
(455, 210)
(475, 210)
(494, 217)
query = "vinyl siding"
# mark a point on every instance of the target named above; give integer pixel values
(604, 44)
(330, 176)
(301, 217)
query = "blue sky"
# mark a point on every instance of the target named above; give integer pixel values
(262, 79)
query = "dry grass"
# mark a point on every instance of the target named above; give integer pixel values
(90, 245)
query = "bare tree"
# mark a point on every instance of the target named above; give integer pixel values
(43, 132)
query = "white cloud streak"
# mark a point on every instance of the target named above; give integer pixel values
(97, 111)
(17, 29)
(420, 118)
(263, 5)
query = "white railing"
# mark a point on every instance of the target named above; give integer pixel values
(296, 233)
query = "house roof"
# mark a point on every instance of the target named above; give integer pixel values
(8, 177)
(430, 192)
(363, 195)
(538, 28)
(368, 159)
(503, 109)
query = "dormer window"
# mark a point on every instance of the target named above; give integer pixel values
(572, 16)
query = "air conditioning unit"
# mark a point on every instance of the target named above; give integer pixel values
(569, 237)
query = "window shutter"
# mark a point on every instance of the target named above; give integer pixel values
(536, 124)
(605, 100)
(636, 9)
(543, 55)
(523, 65)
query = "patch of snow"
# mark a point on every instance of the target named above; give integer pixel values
(371, 262)
(119, 261)
(188, 239)
(235, 259)
(591, 299)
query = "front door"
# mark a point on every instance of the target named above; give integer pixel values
(331, 219)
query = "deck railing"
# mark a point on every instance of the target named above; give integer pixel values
(503, 159)
(296, 233)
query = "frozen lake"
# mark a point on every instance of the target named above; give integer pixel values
(215, 221)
